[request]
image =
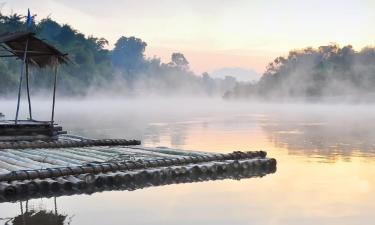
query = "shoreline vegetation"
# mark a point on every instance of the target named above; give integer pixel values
(327, 73)
(123, 70)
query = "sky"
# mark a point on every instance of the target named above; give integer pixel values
(214, 34)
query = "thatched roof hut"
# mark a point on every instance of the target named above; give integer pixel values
(35, 52)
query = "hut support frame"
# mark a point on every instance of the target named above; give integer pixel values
(31, 51)
(54, 95)
(28, 91)
(25, 69)
(20, 84)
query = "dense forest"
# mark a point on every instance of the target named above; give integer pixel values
(311, 73)
(329, 72)
(123, 70)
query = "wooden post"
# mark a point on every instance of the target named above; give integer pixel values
(28, 90)
(20, 84)
(54, 96)
(55, 203)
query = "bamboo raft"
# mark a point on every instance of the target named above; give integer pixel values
(75, 165)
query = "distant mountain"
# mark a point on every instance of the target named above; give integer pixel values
(240, 74)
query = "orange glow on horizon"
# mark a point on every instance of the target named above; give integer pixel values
(207, 61)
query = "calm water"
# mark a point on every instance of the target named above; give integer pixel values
(325, 154)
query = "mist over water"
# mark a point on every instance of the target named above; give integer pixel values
(325, 155)
(311, 129)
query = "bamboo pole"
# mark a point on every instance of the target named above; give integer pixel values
(28, 90)
(65, 144)
(20, 84)
(54, 96)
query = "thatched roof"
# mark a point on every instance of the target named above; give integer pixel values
(39, 53)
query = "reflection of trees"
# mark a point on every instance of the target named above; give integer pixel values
(178, 135)
(175, 131)
(330, 137)
(153, 133)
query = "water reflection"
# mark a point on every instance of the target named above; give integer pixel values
(175, 133)
(329, 138)
(303, 191)
(38, 216)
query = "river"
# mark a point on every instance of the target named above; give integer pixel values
(325, 154)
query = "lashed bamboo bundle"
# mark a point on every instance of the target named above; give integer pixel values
(135, 179)
(64, 143)
(26, 159)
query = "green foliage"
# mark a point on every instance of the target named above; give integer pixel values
(178, 59)
(128, 54)
(121, 70)
(328, 71)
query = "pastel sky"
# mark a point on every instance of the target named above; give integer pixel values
(216, 33)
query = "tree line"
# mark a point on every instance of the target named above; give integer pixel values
(122, 70)
(326, 72)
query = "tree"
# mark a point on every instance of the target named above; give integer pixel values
(94, 66)
(128, 54)
(327, 71)
(179, 60)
